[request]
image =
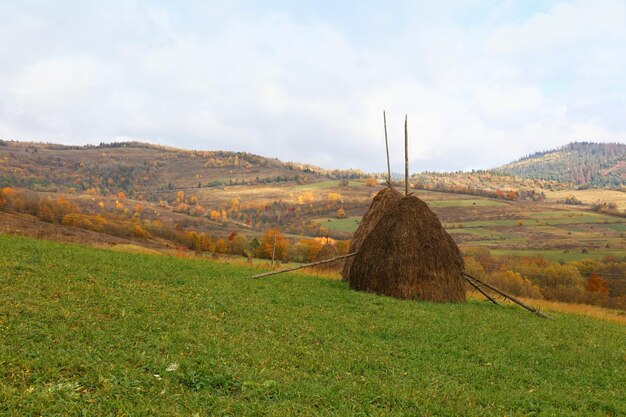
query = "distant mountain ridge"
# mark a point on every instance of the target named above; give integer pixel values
(581, 163)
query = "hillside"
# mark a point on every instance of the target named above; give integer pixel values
(94, 332)
(581, 163)
(140, 168)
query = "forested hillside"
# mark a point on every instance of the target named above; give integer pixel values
(581, 163)
(140, 168)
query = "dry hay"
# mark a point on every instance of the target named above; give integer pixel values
(383, 201)
(328, 251)
(409, 255)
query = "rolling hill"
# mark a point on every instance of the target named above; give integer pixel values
(140, 168)
(582, 163)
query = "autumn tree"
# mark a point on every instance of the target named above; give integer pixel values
(370, 182)
(197, 210)
(342, 247)
(140, 232)
(237, 244)
(220, 247)
(597, 285)
(63, 206)
(306, 197)
(335, 197)
(267, 244)
(341, 213)
(45, 213)
(514, 283)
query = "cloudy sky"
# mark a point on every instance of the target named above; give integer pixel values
(483, 82)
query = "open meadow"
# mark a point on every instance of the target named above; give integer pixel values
(95, 332)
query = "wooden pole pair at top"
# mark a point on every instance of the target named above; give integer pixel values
(406, 153)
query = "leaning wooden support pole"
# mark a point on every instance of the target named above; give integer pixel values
(480, 290)
(387, 148)
(406, 157)
(325, 261)
(510, 297)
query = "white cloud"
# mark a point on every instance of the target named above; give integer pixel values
(311, 87)
(567, 24)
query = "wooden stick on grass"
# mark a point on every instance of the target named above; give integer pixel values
(510, 297)
(475, 282)
(280, 271)
(483, 292)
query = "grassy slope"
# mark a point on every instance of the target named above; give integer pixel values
(93, 331)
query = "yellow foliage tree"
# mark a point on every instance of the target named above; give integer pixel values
(335, 197)
(306, 197)
(221, 247)
(342, 247)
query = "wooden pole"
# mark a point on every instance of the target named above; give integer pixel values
(483, 292)
(274, 249)
(387, 148)
(510, 297)
(406, 157)
(267, 274)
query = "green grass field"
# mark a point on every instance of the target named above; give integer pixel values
(465, 203)
(95, 332)
(548, 221)
(560, 255)
(349, 224)
(317, 185)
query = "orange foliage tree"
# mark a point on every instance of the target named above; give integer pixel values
(267, 244)
(597, 285)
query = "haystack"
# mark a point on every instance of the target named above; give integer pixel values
(328, 251)
(383, 200)
(409, 255)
